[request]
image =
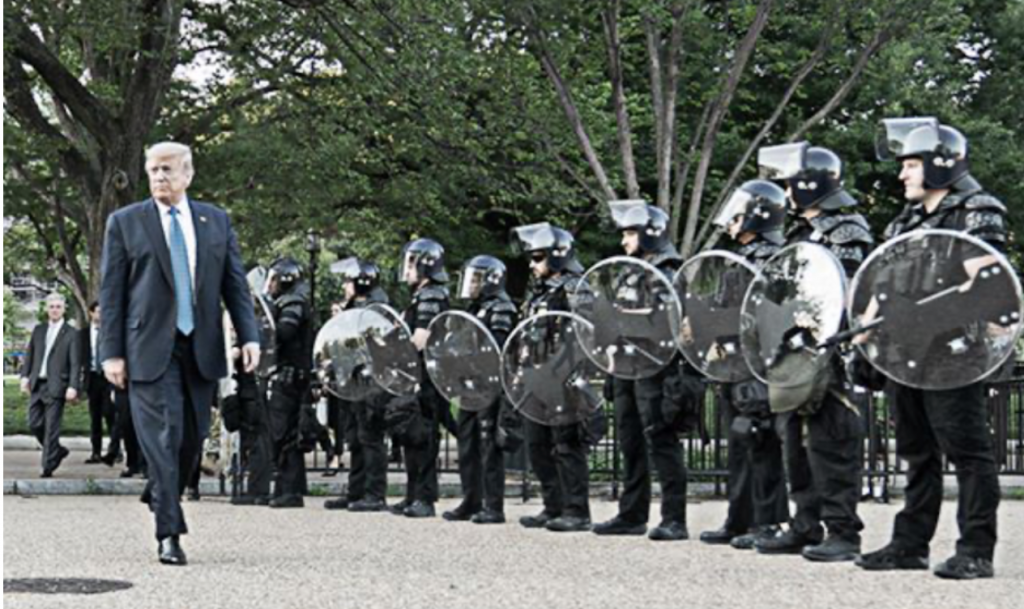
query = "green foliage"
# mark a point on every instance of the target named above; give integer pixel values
(75, 422)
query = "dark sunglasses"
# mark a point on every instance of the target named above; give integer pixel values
(538, 256)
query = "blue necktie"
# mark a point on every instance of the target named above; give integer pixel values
(182, 277)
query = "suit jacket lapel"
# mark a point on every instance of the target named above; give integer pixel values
(155, 228)
(199, 224)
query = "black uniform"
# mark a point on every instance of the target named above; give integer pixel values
(757, 482)
(254, 437)
(481, 458)
(648, 427)
(558, 453)
(822, 442)
(953, 422)
(288, 385)
(364, 431)
(421, 449)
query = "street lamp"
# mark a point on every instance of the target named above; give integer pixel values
(313, 247)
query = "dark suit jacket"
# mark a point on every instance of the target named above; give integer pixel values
(63, 369)
(137, 291)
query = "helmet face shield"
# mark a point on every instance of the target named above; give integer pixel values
(629, 214)
(472, 282)
(782, 162)
(533, 237)
(735, 206)
(892, 140)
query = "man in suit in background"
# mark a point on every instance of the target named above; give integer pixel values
(96, 386)
(51, 375)
(168, 262)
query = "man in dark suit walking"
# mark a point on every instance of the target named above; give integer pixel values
(97, 388)
(51, 375)
(168, 262)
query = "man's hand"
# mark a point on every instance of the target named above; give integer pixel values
(116, 372)
(71, 395)
(250, 356)
(25, 387)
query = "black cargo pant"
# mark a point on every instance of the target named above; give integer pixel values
(822, 454)
(757, 480)
(364, 433)
(256, 447)
(955, 423)
(644, 430)
(421, 455)
(284, 408)
(558, 456)
(481, 461)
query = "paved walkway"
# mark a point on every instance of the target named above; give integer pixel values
(257, 557)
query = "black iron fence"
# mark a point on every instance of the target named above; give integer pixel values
(705, 453)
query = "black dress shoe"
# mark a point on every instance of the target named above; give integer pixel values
(462, 512)
(619, 526)
(669, 531)
(720, 536)
(398, 509)
(419, 509)
(965, 567)
(487, 516)
(128, 472)
(539, 521)
(192, 494)
(568, 524)
(61, 455)
(340, 503)
(892, 558)
(94, 459)
(47, 473)
(110, 459)
(368, 505)
(287, 501)
(146, 496)
(834, 549)
(170, 553)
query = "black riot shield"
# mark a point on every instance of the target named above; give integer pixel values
(545, 372)
(395, 362)
(711, 286)
(341, 358)
(634, 314)
(793, 305)
(463, 360)
(943, 308)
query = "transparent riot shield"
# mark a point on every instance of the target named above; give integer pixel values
(634, 315)
(793, 305)
(395, 362)
(943, 308)
(711, 287)
(545, 371)
(341, 358)
(463, 360)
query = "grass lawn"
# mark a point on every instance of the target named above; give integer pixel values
(76, 416)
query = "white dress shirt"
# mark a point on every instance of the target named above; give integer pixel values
(52, 330)
(187, 228)
(94, 339)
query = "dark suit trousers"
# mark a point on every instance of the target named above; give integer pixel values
(45, 413)
(164, 413)
(124, 433)
(101, 409)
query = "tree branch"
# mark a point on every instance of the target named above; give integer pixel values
(610, 17)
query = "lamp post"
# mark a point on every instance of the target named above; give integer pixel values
(313, 247)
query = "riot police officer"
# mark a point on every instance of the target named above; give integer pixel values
(246, 407)
(942, 194)
(558, 453)
(289, 380)
(823, 468)
(363, 426)
(423, 271)
(481, 454)
(647, 419)
(753, 217)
